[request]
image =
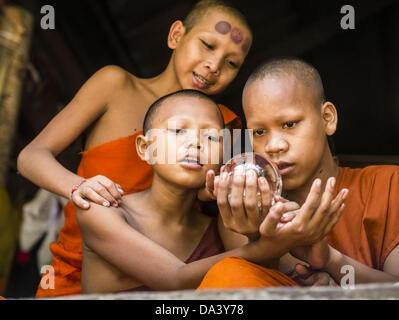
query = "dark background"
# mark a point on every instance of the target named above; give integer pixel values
(359, 67)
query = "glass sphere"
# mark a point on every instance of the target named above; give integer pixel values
(261, 166)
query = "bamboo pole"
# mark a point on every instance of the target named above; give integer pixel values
(15, 33)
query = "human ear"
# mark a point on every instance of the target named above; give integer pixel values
(330, 117)
(142, 145)
(176, 32)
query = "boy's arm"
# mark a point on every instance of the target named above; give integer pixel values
(230, 239)
(105, 231)
(113, 239)
(37, 161)
(339, 265)
(361, 272)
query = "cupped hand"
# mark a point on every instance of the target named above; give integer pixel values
(313, 221)
(249, 201)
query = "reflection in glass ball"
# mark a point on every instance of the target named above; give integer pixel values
(261, 166)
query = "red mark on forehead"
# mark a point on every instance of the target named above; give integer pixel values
(223, 27)
(246, 45)
(236, 35)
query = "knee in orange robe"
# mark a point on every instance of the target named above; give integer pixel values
(238, 273)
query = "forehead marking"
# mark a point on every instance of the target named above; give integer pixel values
(223, 27)
(236, 35)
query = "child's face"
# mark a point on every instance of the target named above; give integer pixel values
(210, 55)
(287, 128)
(188, 142)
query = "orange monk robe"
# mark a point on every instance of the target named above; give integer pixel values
(367, 231)
(238, 273)
(119, 161)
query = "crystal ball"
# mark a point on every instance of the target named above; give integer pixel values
(261, 166)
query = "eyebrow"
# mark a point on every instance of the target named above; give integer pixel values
(279, 118)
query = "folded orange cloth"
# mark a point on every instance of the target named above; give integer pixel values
(238, 273)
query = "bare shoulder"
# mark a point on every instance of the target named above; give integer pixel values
(114, 76)
(126, 89)
(105, 84)
(98, 217)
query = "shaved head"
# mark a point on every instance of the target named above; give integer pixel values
(156, 106)
(305, 74)
(202, 7)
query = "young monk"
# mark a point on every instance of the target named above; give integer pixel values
(155, 239)
(284, 105)
(207, 55)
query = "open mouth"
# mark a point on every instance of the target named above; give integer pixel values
(190, 163)
(284, 168)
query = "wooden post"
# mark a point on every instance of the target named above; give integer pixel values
(15, 33)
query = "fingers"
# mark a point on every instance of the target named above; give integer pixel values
(334, 219)
(104, 192)
(236, 195)
(239, 209)
(302, 270)
(278, 198)
(78, 201)
(222, 198)
(312, 202)
(339, 200)
(288, 216)
(266, 196)
(114, 189)
(216, 181)
(216, 184)
(269, 225)
(251, 200)
(331, 215)
(307, 277)
(98, 189)
(325, 203)
(291, 209)
(210, 183)
(96, 194)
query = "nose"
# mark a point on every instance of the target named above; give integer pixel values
(276, 144)
(195, 141)
(213, 65)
